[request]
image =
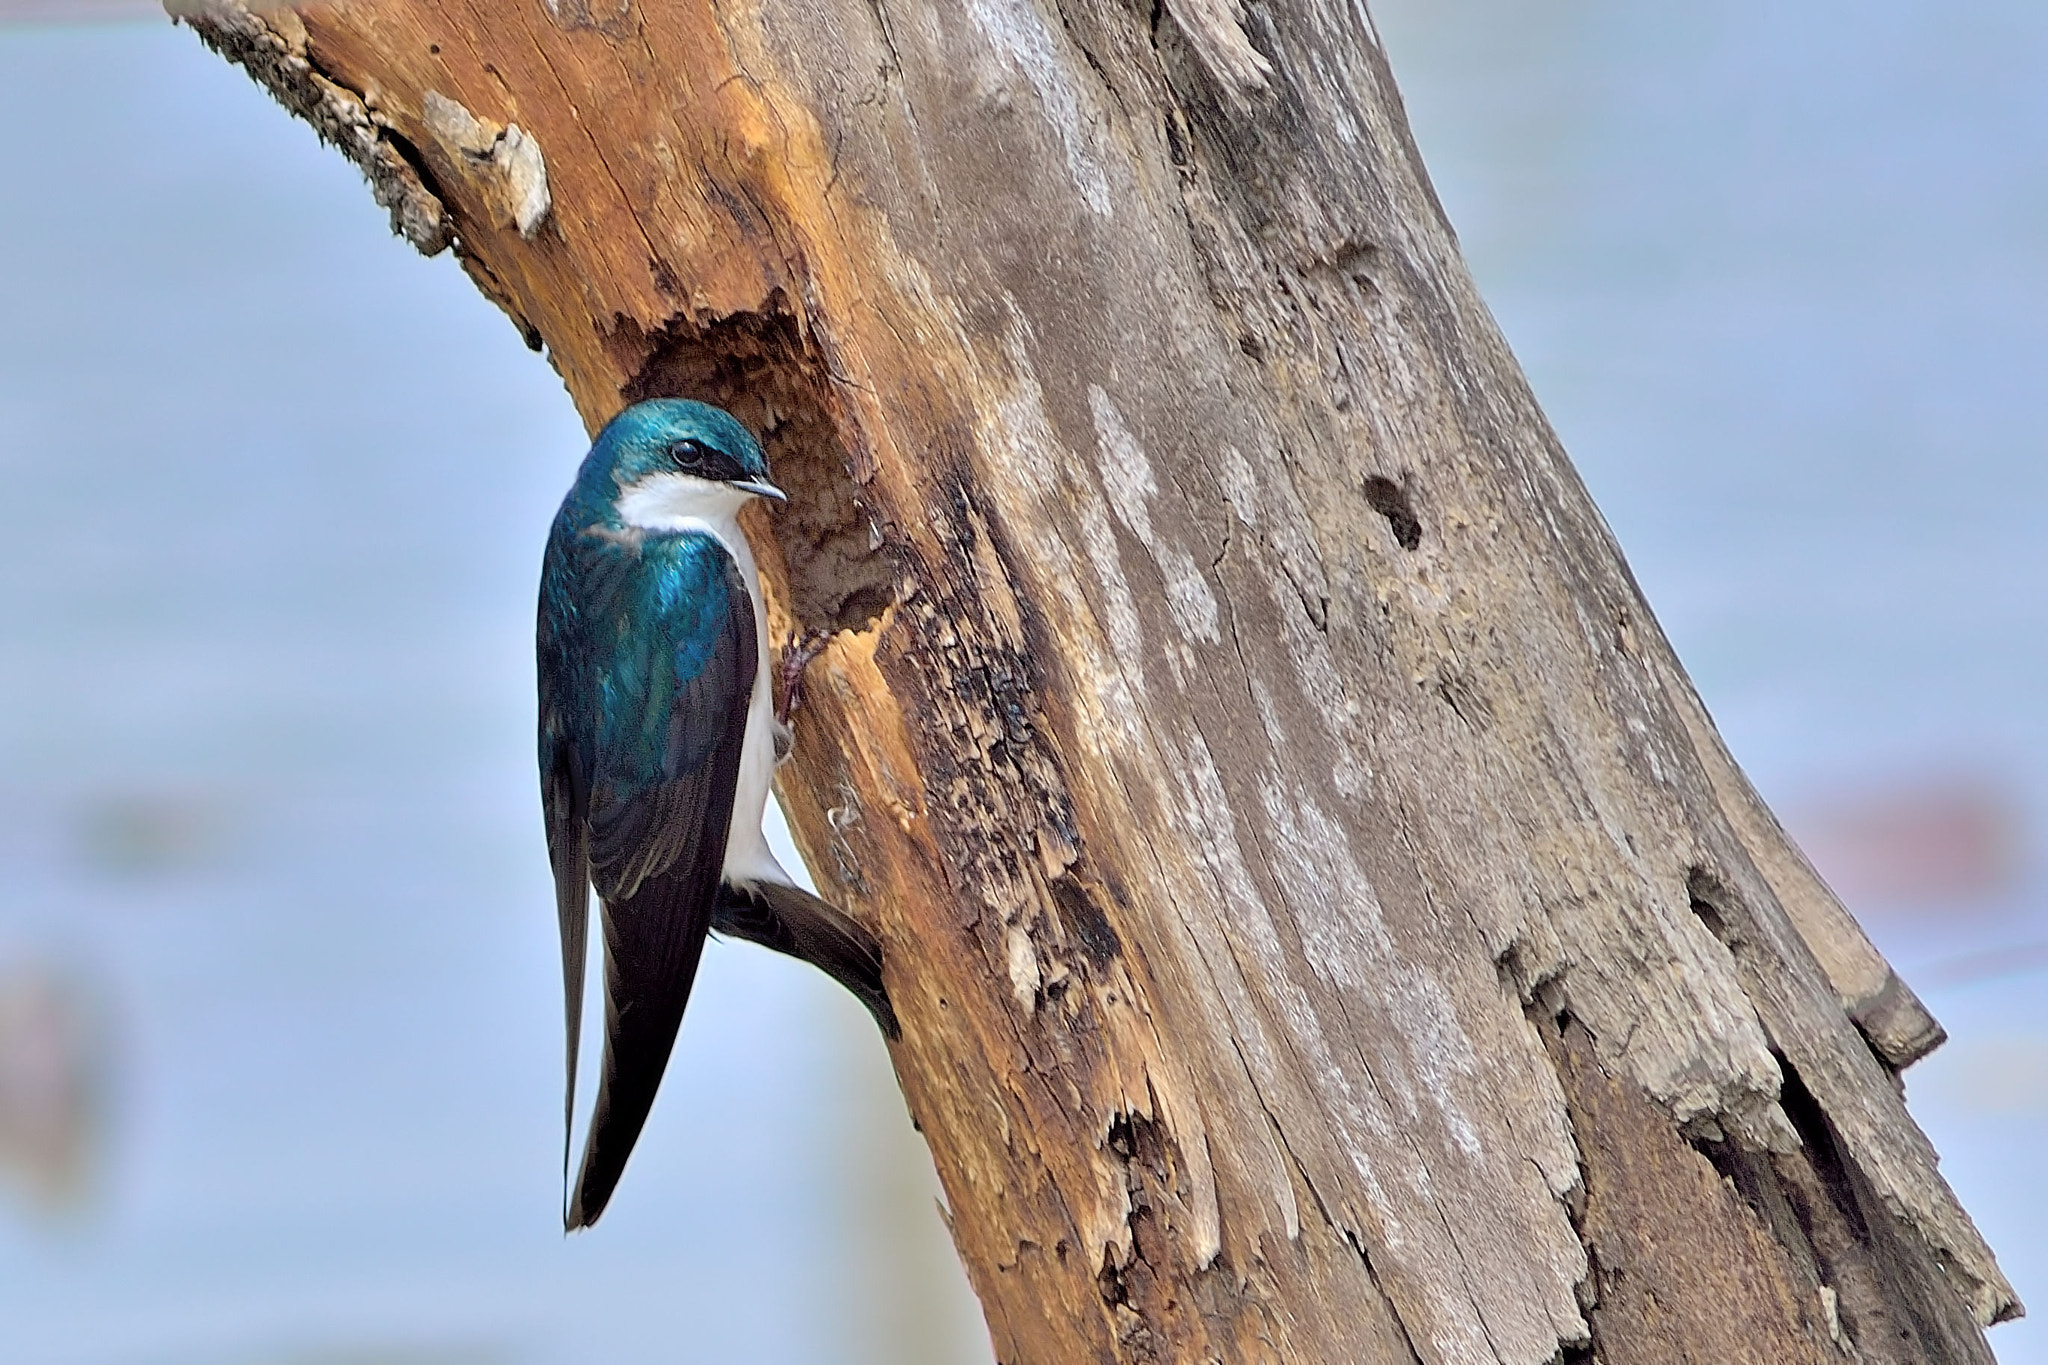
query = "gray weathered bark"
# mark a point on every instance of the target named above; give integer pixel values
(1325, 923)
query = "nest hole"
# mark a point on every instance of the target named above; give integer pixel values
(762, 369)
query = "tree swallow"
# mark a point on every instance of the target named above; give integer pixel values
(658, 744)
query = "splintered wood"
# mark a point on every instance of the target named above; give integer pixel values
(1325, 924)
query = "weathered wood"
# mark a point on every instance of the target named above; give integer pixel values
(1318, 906)
(1682, 1268)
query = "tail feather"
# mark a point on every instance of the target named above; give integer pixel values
(653, 941)
(795, 922)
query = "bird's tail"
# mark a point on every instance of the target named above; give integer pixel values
(653, 941)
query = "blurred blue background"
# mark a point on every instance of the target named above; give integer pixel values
(278, 1065)
(276, 1082)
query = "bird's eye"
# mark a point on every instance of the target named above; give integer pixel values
(686, 454)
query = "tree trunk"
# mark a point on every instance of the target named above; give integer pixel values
(1325, 923)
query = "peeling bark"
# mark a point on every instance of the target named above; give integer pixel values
(1324, 921)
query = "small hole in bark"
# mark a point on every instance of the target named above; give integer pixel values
(1109, 1281)
(1085, 920)
(1707, 896)
(433, 49)
(665, 277)
(1121, 1138)
(1390, 500)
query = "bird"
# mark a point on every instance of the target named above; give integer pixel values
(659, 740)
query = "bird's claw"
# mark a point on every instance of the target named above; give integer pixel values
(795, 660)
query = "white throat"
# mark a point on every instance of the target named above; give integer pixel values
(673, 501)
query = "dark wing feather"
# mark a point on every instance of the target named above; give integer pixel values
(657, 830)
(563, 801)
(793, 921)
(565, 748)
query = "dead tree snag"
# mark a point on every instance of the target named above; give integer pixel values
(1325, 924)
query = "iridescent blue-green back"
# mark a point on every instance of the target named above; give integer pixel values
(626, 622)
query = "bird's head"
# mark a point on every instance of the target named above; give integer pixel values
(668, 460)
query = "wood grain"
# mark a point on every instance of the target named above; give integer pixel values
(1241, 729)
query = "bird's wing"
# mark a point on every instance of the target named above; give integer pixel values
(562, 803)
(565, 754)
(672, 689)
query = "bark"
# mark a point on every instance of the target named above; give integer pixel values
(1325, 923)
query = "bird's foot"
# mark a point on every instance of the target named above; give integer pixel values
(795, 660)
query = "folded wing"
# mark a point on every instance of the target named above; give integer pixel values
(671, 659)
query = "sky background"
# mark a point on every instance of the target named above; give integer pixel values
(268, 845)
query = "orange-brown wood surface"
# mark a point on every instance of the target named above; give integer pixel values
(1325, 924)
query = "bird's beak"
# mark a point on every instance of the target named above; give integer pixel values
(760, 489)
